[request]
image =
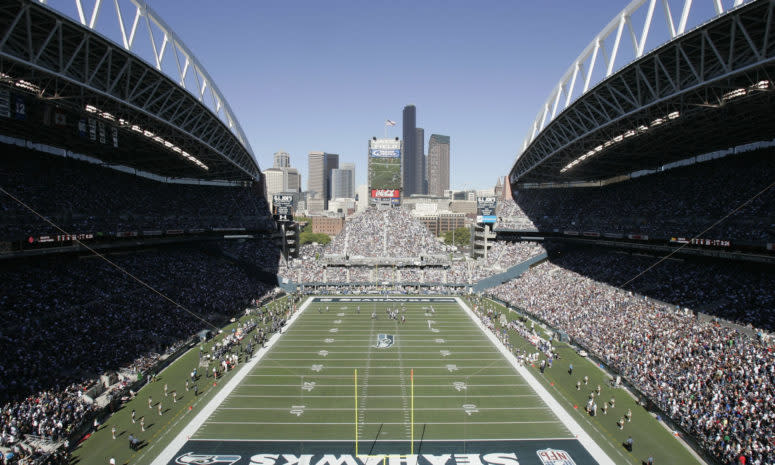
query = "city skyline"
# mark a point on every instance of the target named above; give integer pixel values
(477, 73)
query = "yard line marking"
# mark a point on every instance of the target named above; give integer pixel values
(504, 396)
(386, 385)
(381, 409)
(314, 357)
(349, 423)
(393, 376)
(350, 440)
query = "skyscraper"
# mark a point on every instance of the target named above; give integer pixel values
(438, 164)
(316, 173)
(419, 161)
(282, 160)
(343, 182)
(281, 178)
(409, 159)
(319, 175)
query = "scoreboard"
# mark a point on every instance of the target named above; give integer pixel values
(485, 210)
(282, 208)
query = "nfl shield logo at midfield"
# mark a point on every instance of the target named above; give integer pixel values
(554, 457)
(205, 459)
(384, 341)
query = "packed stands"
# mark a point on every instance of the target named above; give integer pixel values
(307, 269)
(83, 197)
(717, 382)
(67, 320)
(680, 202)
(384, 233)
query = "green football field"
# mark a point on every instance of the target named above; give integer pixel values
(304, 388)
(346, 380)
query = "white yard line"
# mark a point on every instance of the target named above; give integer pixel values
(349, 423)
(307, 396)
(379, 409)
(572, 425)
(350, 440)
(510, 375)
(169, 452)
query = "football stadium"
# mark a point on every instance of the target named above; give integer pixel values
(611, 300)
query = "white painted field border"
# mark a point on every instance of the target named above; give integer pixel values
(510, 375)
(308, 396)
(573, 426)
(349, 423)
(375, 409)
(350, 440)
(430, 367)
(169, 452)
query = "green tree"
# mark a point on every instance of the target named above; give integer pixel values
(309, 237)
(461, 236)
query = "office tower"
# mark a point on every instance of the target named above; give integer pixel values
(282, 160)
(292, 180)
(316, 173)
(409, 159)
(320, 166)
(273, 178)
(343, 182)
(419, 161)
(438, 164)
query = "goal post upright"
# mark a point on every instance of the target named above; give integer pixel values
(411, 416)
(355, 385)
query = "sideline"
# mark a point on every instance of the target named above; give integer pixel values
(168, 454)
(573, 426)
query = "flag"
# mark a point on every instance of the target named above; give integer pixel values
(390, 123)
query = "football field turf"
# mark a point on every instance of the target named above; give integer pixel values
(434, 384)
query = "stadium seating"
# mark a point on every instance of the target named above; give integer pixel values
(716, 381)
(83, 197)
(67, 320)
(679, 202)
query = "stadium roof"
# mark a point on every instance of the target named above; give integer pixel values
(79, 88)
(706, 90)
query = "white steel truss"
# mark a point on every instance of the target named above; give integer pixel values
(125, 21)
(79, 67)
(698, 71)
(598, 62)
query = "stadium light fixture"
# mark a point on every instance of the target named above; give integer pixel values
(149, 134)
(616, 139)
(733, 94)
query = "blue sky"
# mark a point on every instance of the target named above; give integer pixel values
(325, 75)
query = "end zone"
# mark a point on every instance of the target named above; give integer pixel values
(531, 452)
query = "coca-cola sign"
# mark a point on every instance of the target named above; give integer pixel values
(385, 193)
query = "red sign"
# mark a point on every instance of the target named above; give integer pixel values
(385, 193)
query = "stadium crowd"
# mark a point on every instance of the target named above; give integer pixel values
(679, 202)
(366, 233)
(83, 197)
(716, 382)
(68, 320)
(385, 233)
